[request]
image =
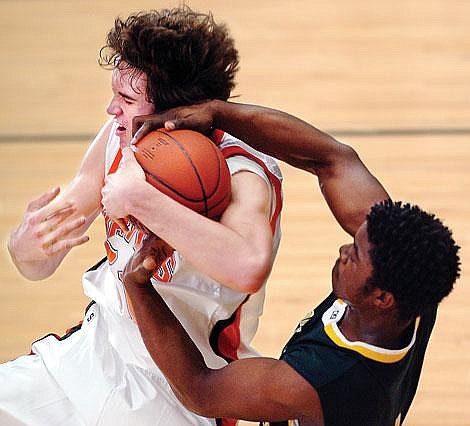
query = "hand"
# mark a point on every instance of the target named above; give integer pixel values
(118, 185)
(196, 117)
(45, 230)
(145, 261)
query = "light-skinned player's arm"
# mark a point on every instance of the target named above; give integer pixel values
(236, 251)
(56, 222)
(347, 185)
(250, 389)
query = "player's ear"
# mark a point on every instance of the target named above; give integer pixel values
(384, 299)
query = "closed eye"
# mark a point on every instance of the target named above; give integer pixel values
(127, 99)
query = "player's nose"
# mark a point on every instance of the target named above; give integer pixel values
(113, 107)
(343, 252)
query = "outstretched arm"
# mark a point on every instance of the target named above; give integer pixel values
(56, 221)
(284, 394)
(347, 185)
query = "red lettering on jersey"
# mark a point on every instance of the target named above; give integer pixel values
(111, 252)
(112, 227)
(139, 239)
(165, 272)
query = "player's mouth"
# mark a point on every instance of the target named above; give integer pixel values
(120, 130)
(121, 133)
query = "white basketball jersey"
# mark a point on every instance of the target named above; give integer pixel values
(221, 321)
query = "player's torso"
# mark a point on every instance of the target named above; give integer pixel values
(197, 300)
(382, 379)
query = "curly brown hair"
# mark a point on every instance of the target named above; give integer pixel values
(184, 54)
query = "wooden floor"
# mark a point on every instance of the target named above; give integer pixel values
(391, 79)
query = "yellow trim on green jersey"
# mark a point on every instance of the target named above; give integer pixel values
(331, 318)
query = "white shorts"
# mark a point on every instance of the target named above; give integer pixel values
(82, 380)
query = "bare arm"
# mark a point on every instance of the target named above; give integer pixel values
(347, 185)
(251, 389)
(236, 251)
(56, 222)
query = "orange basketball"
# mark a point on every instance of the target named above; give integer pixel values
(188, 167)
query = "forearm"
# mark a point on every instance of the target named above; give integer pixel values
(168, 344)
(35, 270)
(183, 365)
(347, 185)
(193, 382)
(227, 256)
(56, 221)
(277, 134)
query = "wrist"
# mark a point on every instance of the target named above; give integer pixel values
(138, 288)
(216, 109)
(11, 251)
(135, 199)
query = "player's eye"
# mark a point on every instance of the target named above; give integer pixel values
(127, 100)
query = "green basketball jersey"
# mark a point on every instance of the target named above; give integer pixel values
(358, 384)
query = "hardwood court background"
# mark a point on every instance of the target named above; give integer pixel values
(390, 79)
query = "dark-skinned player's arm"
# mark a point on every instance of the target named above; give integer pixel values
(347, 185)
(250, 389)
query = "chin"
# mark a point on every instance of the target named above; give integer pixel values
(334, 274)
(123, 141)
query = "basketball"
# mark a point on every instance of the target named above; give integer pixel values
(188, 167)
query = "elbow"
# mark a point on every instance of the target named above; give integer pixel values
(195, 404)
(252, 273)
(191, 402)
(196, 397)
(349, 154)
(343, 154)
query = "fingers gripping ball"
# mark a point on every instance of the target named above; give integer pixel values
(188, 167)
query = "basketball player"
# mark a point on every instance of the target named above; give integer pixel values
(101, 372)
(356, 359)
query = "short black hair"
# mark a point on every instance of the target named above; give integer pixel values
(413, 256)
(186, 56)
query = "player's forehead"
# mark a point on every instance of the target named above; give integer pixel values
(129, 80)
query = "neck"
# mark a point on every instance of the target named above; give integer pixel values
(385, 331)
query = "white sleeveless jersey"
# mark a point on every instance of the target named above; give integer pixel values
(221, 321)
(100, 372)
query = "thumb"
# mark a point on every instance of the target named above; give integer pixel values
(141, 273)
(149, 263)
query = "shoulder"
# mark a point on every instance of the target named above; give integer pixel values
(312, 353)
(100, 141)
(93, 162)
(235, 150)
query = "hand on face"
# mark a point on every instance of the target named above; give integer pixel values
(118, 185)
(145, 261)
(46, 229)
(196, 117)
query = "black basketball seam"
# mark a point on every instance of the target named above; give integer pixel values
(206, 212)
(219, 202)
(215, 149)
(166, 185)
